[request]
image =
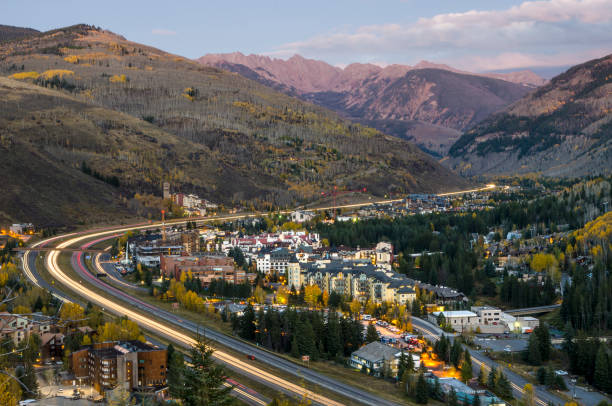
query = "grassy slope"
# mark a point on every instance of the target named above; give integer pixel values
(243, 140)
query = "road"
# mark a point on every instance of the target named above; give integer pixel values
(149, 316)
(163, 324)
(543, 397)
(533, 310)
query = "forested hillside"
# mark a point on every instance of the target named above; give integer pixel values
(562, 129)
(242, 142)
(8, 32)
(428, 104)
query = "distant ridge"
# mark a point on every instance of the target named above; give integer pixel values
(8, 32)
(427, 103)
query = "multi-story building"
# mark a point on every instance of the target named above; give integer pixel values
(357, 278)
(204, 267)
(17, 327)
(130, 364)
(190, 242)
(459, 320)
(52, 346)
(275, 261)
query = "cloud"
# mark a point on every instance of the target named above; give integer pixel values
(162, 31)
(544, 26)
(516, 60)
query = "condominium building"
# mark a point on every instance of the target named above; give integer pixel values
(204, 267)
(358, 278)
(131, 364)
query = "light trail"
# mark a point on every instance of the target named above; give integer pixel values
(56, 272)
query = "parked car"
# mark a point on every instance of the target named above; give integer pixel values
(560, 372)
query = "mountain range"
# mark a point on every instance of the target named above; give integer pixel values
(564, 128)
(92, 124)
(428, 103)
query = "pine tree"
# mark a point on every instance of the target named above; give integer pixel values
(28, 378)
(176, 368)
(455, 353)
(492, 379)
(481, 377)
(452, 398)
(466, 370)
(422, 390)
(503, 387)
(295, 348)
(247, 323)
(533, 351)
(204, 380)
(543, 337)
(332, 336)
(601, 379)
(371, 334)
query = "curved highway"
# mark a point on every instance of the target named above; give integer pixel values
(162, 322)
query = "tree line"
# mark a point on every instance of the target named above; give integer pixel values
(317, 334)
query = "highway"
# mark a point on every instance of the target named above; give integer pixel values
(239, 391)
(164, 323)
(517, 382)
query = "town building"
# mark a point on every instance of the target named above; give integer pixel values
(301, 216)
(489, 319)
(204, 267)
(465, 394)
(519, 324)
(17, 327)
(23, 228)
(128, 364)
(378, 359)
(166, 191)
(274, 262)
(51, 346)
(459, 320)
(357, 278)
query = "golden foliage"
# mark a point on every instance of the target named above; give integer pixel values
(125, 330)
(543, 262)
(311, 294)
(72, 59)
(118, 79)
(598, 229)
(9, 394)
(25, 75)
(71, 312)
(48, 74)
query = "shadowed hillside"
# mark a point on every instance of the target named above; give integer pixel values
(428, 103)
(207, 131)
(8, 33)
(562, 129)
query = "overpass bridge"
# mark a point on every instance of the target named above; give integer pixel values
(532, 310)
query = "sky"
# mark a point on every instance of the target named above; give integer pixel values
(476, 35)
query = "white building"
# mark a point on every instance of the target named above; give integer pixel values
(301, 216)
(459, 320)
(520, 324)
(489, 319)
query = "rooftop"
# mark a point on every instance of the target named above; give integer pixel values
(376, 351)
(456, 313)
